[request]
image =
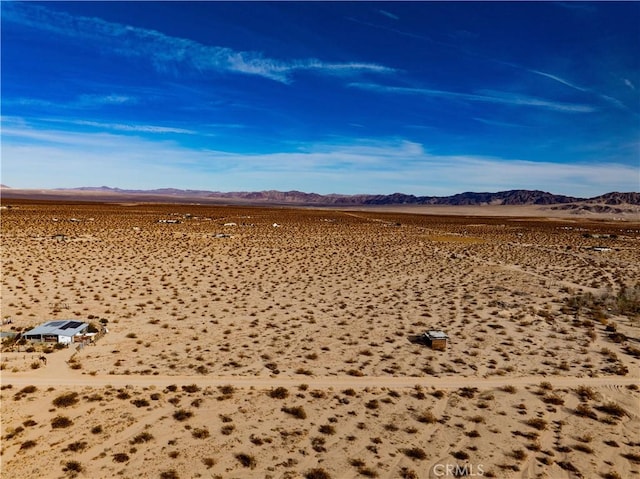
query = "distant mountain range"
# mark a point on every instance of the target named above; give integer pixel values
(510, 197)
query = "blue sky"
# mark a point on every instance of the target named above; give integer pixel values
(425, 98)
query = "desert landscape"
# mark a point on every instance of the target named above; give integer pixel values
(279, 342)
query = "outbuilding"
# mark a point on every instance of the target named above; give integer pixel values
(436, 339)
(59, 331)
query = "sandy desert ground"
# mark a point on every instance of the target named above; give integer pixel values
(280, 342)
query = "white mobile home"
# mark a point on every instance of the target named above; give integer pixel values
(62, 331)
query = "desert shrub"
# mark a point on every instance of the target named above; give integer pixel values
(141, 438)
(66, 400)
(373, 404)
(317, 443)
(13, 433)
(467, 392)
(279, 393)
(182, 415)
(170, 474)
(120, 457)
(553, 399)
(415, 453)
(317, 473)
(633, 457)
(155, 396)
(349, 392)
(76, 446)
(537, 423)
(96, 429)
(140, 402)
(611, 475)
(191, 388)
(246, 460)
(327, 429)
(28, 444)
(227, 429)
(406, 473)
(172, 388)
(426, 417)
(584, 410)
(460, 455)
(296, 411)
(519, 454)
(209, 462)
(612, 409)
(438, 394)
(586, 392)
(29, 423)
(473, 433)
(59, 422)
(73, 467)
(23, 392)
(477, 419)
(367, 472)
(200, 433)
(227, 389)
(122, 394)
(583, 448)
(567, 466)
(509, 389)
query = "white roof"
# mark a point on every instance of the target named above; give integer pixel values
(433, 334)
(63, 327)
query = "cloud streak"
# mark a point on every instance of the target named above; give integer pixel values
(41, 158)
(485, 97)
(168, 53)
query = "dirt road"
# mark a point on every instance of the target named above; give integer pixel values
(62, 377)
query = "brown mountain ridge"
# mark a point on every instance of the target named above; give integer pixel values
(509, 197)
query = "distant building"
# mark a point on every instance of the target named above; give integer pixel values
(62, 331)
(436, 339)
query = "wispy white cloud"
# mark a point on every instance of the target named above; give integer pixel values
(55, 158)
(84, 101)
(130, 127)
(112, 99)
(485, 96)
(608, 98)
(558, 79)
(168, 53)
(389, 14)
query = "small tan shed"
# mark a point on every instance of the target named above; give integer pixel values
(436, 339)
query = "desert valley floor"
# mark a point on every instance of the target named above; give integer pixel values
(264, 342)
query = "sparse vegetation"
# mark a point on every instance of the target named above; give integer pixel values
(66, 400)
(296, 411)
(358, 290)
(60, 422)
(416, 453)
(246, 460)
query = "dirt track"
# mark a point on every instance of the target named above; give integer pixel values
(70, 378)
